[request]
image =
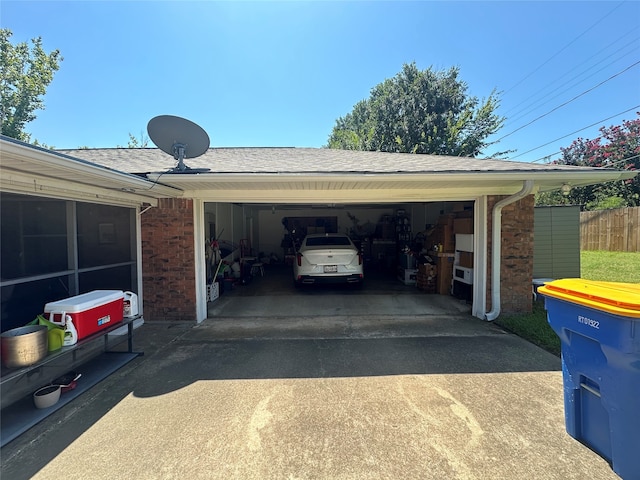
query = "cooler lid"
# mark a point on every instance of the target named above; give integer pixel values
(86, 301)
(617, 298)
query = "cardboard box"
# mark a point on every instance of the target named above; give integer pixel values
(446, 219)
(90, 312)
(428, 269)
(463, 225)
(464, 259)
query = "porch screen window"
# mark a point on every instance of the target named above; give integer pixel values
(33, 236)
(104, 235)
(53, 249)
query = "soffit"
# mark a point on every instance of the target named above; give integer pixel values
(33, 170)
(380, 188)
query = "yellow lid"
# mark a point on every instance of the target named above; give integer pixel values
(612, 297)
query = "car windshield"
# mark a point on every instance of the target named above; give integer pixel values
(327, 241)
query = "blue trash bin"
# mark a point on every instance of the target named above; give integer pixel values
(599, 327)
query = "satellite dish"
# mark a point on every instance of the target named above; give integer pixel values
(179, 137)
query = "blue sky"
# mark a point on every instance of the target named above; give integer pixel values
(281, 73)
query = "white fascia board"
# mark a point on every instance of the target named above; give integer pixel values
(576, 172)
(320, 197)
(31, 184)
(14, 155)
(580, 179)
(378, 188)
(576, 177)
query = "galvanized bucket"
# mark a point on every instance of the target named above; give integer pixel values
(24, 346)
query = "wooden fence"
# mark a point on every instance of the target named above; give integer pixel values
(616, 230)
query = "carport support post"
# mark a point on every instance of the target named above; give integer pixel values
(200, 270)
(496, 250)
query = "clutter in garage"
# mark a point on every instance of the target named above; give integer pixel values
(415, 245)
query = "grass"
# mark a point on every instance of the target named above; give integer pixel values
(533, 327)
(601, 266)
(610, 266)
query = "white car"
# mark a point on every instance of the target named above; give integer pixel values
(327, 258)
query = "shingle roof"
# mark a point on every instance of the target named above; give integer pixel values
(304, 160)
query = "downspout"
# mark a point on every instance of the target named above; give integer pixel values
(496, 250)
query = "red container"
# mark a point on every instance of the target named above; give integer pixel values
(90, 312)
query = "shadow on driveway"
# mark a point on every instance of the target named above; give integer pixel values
(197, 355)
(205, 402)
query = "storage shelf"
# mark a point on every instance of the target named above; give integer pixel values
(22, 415)
(9, 374)
(87, 356)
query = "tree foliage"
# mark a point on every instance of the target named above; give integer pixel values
(25, 75)
(419, 112)
(137, 142)
(618, 148)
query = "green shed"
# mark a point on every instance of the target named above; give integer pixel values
(556, 242)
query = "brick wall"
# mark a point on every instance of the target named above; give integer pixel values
(168, 256)
(517, 255)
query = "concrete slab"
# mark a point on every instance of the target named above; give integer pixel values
(274, 295)
(460, 400)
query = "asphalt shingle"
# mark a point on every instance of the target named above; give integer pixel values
(302, 160)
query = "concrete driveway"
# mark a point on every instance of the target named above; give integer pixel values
(362, 397)
(275, 296)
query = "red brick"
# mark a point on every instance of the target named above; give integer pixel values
(168, 256)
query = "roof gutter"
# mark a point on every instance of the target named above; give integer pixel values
(496, 250)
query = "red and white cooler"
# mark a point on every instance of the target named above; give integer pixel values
(90, 312)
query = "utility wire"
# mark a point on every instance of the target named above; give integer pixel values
(612, 164)
(577, 66)
(567, 102)
(564, 48)
(534, 105)
(616, 162)
(546, 158)
(573, 133)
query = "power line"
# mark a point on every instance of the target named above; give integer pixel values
(547, 158)
(612, 164)
(532, 105)
(564, 48)
(577, 66)
(577, 131)
(567, 102)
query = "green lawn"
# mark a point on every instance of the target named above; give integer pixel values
(610, 266)
(600, 266)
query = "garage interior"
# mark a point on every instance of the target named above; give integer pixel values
(410, 248)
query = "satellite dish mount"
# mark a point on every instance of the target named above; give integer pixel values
(178, 154)
(181, 138)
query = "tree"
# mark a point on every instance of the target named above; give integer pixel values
(419, 112)
(135, 142)
(617, 147)
(25, 75)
